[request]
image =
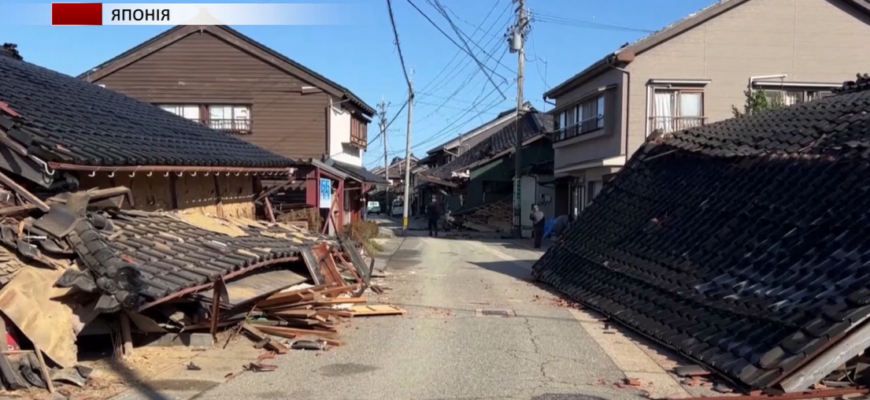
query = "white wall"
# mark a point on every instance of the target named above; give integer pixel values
(339, 128)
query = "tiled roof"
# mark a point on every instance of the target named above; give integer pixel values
(831, 125)
(749, 262)
(359, 173)
(64, 119)
(533, 124)
(476, 131)
(172, 255)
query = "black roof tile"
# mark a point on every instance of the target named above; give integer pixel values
(733, 243)
(172, 255)
(359, 173)
(832, 125)
(533, 124)
(64, 119)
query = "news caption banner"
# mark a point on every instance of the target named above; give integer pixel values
(95, 14)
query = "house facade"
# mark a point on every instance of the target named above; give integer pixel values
(483, 175)
(228, 81)
(697, 71)
(223, 79)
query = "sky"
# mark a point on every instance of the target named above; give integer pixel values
(453, 94)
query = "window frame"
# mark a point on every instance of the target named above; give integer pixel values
(204, 115)
(678, 114)
(579, 124)
(358, 133)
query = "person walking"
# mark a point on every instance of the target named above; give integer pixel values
(433, 213)
(537, 217)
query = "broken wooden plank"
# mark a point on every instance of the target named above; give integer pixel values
(304, 313)
(344, 300)
(376, 309)
(293, 332)
(260, 336)
(43, 369)
(332, 312)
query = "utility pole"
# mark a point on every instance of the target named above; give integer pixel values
(383, 125)
(408, 159)
(516, 41)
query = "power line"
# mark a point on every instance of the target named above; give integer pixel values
(460, 34)
(555, 19)
(452, 125)
(536, 61)
(436, 104)
(398, 46)
(482, 67)
(489, 107)
(462, 86)
(459, 52)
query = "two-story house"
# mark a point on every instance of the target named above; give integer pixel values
(696, 71)
(219, 77)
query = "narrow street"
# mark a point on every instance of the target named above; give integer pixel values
(449, 347)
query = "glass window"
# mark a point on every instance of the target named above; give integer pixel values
(600, 115)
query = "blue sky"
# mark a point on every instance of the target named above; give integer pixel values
(566, 36)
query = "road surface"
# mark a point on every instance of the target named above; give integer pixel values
(456, 343)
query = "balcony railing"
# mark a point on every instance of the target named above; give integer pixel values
(575, 130)
(234, 126)
(358, 141)
(675, 124)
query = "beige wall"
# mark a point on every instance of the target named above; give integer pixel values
(810, 40)
(602, 143)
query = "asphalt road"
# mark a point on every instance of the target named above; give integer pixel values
(447, 347)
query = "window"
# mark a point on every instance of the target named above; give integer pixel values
(358, 133)
(788, 97)
(230, 118)
(676, 109)
(583, 118)
(186, 111)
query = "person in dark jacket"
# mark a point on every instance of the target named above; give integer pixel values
(537, 217)
(433, 213)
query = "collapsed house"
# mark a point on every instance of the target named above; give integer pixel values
(118, 216)
(740, 244)
(479, 181)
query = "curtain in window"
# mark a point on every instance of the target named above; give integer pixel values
(664, 107)
(792, 97)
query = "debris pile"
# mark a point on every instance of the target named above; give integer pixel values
(135, 277)
(495, 216)
(309, 315)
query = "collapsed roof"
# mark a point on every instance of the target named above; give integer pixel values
(534, 125)
(741, 244)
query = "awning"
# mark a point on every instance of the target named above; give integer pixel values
(329, 169)
(357, 173)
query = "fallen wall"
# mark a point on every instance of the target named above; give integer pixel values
(224, 195)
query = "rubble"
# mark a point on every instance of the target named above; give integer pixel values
(129, 273)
